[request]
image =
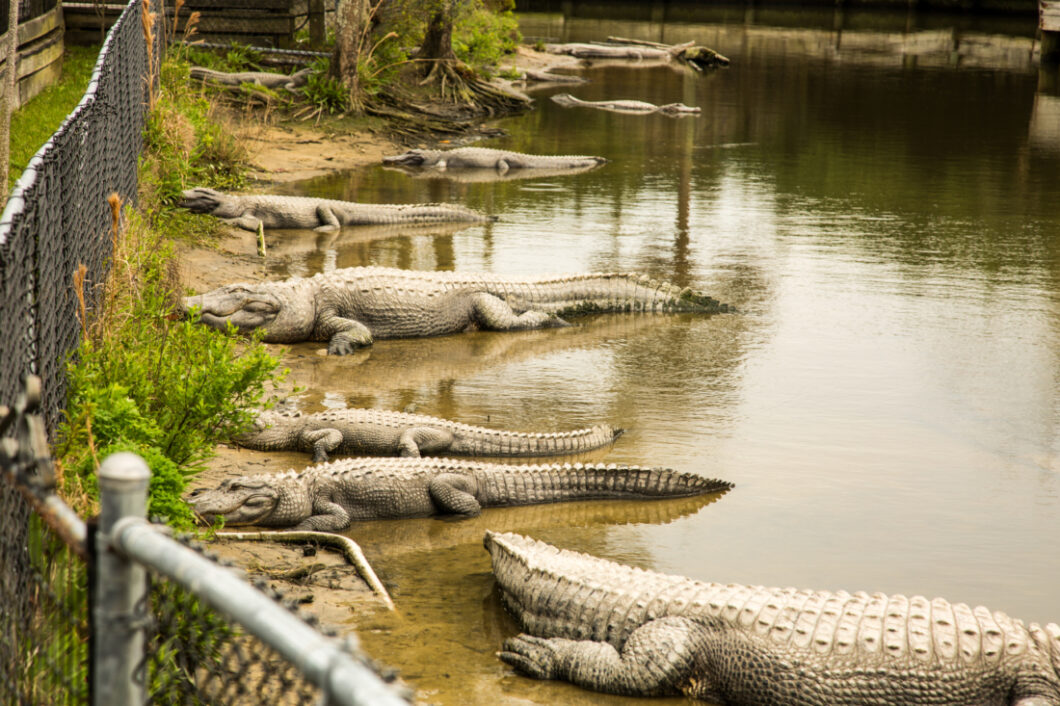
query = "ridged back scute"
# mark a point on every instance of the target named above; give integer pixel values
(543, 584)
(565, 293)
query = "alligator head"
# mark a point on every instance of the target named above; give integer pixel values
(203, 200)
(240, 501)
(412, 158)
(679, 109)
(280, 309)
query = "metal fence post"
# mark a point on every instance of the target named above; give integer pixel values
(121, 586)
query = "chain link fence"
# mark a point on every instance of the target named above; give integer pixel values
(64, 629)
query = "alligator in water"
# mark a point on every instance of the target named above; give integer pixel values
(330, 496)
(486, 158)
(613, 628)
(385, 433)
(251, 211)
(350, 307)
(626, 106)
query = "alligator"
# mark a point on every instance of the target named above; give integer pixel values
(252, 211)
(351, 307)
(330, 496)
(385, 433)
(267, 79)
(478, 175)
(622, 630)
(626, 106)
(486, 158)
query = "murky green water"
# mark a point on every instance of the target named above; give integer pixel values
(887, 401)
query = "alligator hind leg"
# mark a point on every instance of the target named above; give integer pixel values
(420, 440)
(328, 220)
(495, 314)
(660, 658)
(453, 493)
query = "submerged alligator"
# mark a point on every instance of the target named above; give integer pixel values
(613, 628)
(251, 211)
(351, 307)
(486, 158)
(625, 106)
(331, 496)
(380, 432)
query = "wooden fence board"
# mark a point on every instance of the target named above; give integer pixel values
(1050, 15)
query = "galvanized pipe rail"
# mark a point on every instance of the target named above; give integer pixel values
(324, 661)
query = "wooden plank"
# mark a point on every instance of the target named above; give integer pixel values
(1050, 15)
(34, 84)
(40, 26)
(33, 59)
(222, 5)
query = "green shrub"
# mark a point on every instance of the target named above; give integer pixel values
(323, 90)
(482, 37)
(149, 381)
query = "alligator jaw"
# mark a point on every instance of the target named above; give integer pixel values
(412, 158)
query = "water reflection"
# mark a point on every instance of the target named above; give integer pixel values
(887, 401)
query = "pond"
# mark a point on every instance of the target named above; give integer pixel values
(886, 401)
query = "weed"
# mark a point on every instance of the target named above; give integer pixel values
(481, 38)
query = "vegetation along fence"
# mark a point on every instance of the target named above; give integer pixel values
(118, 613)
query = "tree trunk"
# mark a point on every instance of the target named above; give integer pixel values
(351, 16)
(438, 41)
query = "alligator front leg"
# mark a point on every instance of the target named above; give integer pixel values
(660, 658)
(328, 220)
(345, 335)
(454, 493)
(328, 516)
(416, 441)
(246, 221)
(494, 314)
(321, 442)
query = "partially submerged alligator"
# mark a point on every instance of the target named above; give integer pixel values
(251, 211)
(478, 175)
(380, 432)
(486, 158)
(613, 628)
(330, 496)
(267, 79)
(351, 307)
(625, 106)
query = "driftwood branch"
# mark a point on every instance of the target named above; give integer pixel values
(349, 548)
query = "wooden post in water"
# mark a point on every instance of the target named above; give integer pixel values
(1049, 22)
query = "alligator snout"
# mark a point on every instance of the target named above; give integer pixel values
(412, 158)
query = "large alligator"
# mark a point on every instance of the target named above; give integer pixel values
(613, 628)
(625, 106)
(330, 496)
(477, 175)
(251, 211)
(350, 307)
(486, 158)
(385, 433)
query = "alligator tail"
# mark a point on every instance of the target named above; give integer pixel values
(556, 483)
(478, 441)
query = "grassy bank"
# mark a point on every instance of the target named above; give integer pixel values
(144, 378)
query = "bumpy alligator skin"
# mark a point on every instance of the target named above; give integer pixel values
(613, 628)
(379, 432)
(350, 307)
(484, 157)
(249, 211)
(330, 496)
(262, 78)
(625, 106)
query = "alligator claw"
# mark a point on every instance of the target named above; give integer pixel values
(532, 656)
